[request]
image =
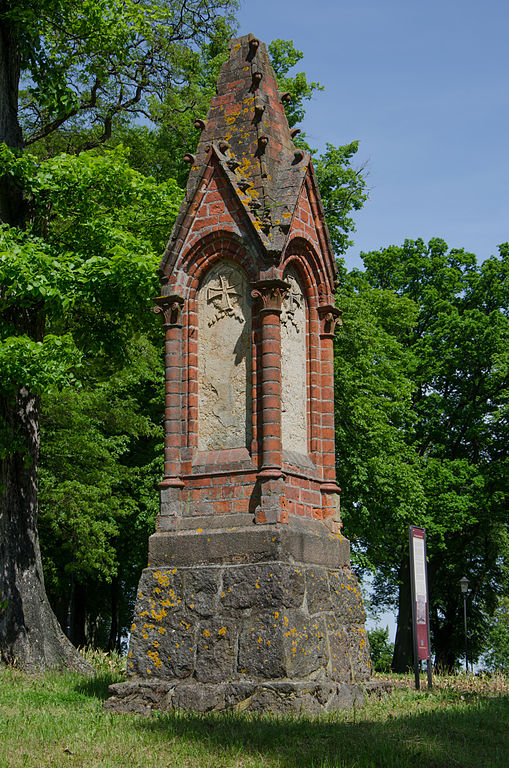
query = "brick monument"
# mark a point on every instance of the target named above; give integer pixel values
(248, 600)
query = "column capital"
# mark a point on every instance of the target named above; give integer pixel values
(171, 308)
(330, 318)
(271, 294)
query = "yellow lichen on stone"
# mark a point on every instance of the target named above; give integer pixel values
(159, 616)
(155, 658)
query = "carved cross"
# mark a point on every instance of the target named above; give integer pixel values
(225, 299)
(223, 293)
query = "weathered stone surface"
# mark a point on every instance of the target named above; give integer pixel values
(262, 586)
(216, 650)
(304, 644)
(162, 634)
(196, 697)
(224, 359)
(256, 544)
(349, 651)
(293, 367)
(201, 590)
(317, 590)
(261, 649)
(277, 697)
(341, 668)
(346, 597)
(261, 622)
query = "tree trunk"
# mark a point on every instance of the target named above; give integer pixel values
(445, 630)
(402, 658)
(113, 640)
(79, 616)
(30, 635)
(11, 196)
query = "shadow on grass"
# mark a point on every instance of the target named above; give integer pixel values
(97, 687)
(473, 734)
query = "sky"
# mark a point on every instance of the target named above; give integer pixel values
(423, 86)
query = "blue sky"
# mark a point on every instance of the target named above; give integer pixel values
(424, 87)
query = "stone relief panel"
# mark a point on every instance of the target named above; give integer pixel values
(224, 359)
(293, 367)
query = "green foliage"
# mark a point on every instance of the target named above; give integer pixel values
(85, 64)
(100, 462)
(343, 190)
(158, 150)
(373, 402)
(284, 56)
(427, 435)
(83, 269)
(497, 656)
(380, 649)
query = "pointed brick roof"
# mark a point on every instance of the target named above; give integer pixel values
(247, 134)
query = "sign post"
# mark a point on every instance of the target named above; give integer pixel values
(420, 602)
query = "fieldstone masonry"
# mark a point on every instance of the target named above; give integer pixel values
(248, 600)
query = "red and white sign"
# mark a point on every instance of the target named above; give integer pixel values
(419, 591)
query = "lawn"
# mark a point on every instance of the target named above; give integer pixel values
(58, 720)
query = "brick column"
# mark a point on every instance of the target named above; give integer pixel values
(330, 317)
(171, 309)
(272, 508)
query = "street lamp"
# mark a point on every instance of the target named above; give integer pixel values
(463, 582)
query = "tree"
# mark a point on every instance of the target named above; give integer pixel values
(497, 656)
(380, 649)
(80, 273)
(101, 460)
(451, 468)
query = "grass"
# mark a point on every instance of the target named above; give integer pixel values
(57, 720)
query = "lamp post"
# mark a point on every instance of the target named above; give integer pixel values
(463, 582)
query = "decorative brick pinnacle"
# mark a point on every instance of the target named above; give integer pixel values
(171, 309)
(271, 294)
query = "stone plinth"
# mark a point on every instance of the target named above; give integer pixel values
(252, 619)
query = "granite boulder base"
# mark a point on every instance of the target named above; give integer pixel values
(273, 634)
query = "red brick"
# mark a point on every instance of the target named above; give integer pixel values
(240, 505)
(213, 195)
